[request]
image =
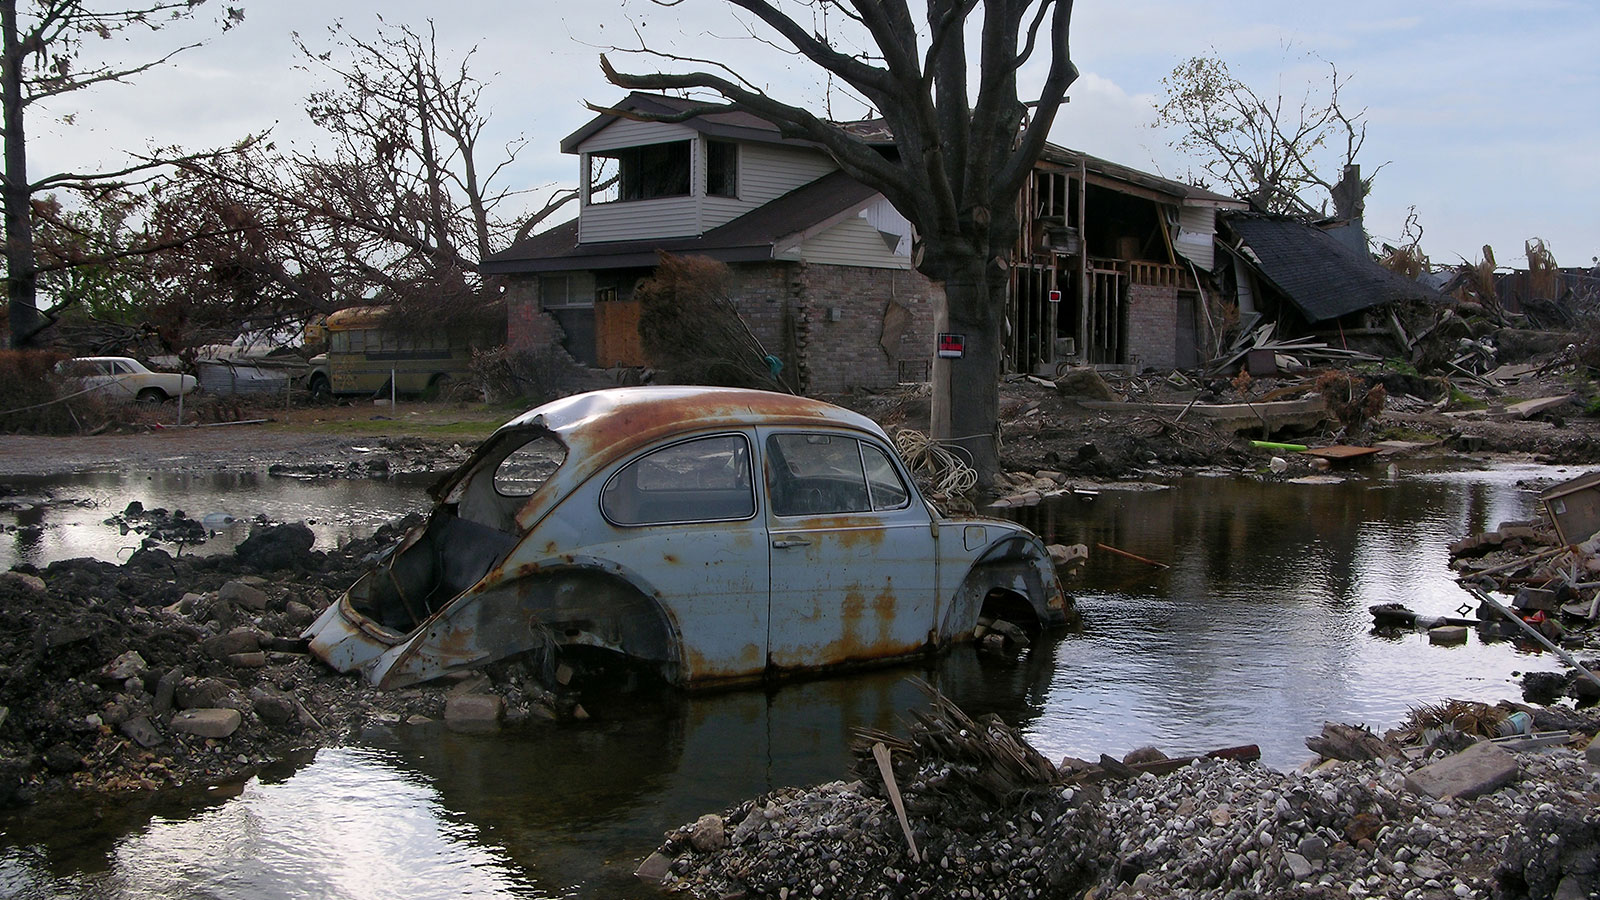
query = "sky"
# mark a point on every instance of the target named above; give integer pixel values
(1482, 113)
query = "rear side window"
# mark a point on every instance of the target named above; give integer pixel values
(824, 474)
(528, 467)
(702, 480)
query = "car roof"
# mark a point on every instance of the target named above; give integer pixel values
(617, 420)
(599, 427)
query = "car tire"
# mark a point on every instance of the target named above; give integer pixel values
(321, 390)
(152, 396)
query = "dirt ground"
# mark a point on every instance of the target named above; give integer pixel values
(1041, 427)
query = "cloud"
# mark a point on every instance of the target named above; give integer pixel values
(1483, 108)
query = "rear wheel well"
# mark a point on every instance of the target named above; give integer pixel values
(602, 612)
(1003, 603)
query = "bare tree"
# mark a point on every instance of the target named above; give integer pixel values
(961, 150)
(1269, 152)
(407, 160)
(42, 56)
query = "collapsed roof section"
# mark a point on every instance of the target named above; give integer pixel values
(1318, 274)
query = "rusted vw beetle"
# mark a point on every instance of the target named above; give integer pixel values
(716, 535)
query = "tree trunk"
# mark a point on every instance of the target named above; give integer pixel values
(966, 391)
(22, 282)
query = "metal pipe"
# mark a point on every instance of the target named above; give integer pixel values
(1494, 604)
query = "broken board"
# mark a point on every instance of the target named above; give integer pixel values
(1341, 451)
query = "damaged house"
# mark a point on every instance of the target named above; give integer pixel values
(1114, 267)
(1310, 281)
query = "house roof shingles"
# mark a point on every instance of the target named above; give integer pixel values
(1317, 273)
(732, 124)
(751, 237)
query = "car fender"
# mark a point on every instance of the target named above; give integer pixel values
(568, 600)
(1016, 562)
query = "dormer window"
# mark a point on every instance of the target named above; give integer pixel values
(639, 173)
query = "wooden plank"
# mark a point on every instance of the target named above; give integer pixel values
(616, 327)
(1341, 451)
(1109, 767)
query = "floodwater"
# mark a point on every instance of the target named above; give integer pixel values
(48, 518)
(1257, 633)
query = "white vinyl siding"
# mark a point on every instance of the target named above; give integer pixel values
(884, 217)
(770, 172)
(638, 219)
(853, 242)
(765, 172)
(628, 133)
(1196, 240)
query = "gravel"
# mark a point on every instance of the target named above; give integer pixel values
(1213, 829)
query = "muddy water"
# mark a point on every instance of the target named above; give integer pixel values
(1257, 633)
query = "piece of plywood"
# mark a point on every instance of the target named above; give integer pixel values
(1341, 451)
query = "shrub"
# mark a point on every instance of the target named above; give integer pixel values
(36, 399)
(691, 329)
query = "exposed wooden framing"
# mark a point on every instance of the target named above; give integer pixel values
(1105, 305)
(1084, 296)
(1043, 207)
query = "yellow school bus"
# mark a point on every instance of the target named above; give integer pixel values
(363, 355)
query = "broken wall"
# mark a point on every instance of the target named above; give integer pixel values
(839, 327)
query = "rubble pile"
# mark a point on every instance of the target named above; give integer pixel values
(981, 810)
(1555, 591)
(988, 822)
(159, 524)
(169, 671)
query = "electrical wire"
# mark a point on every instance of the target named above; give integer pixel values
(949, 475)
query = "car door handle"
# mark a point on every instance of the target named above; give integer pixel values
(790, 542)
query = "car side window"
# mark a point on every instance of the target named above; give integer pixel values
(815, 474)
(702, 480)
(883, 482)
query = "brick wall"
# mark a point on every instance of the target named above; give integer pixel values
(528, 327)
(848, 307)
(1153, 326)
(788, 308)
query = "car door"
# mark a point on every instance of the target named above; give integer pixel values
(854, 572)
(682, 518)
(120, 380)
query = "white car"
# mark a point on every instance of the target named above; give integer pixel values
(125, 378)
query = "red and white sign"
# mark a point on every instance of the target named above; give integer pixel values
(952, 346)
(1055, 296)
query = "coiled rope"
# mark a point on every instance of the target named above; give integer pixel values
(947, 473)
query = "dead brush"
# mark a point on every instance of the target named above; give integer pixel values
(37, 400)
(1544, 276)
(1467, 717)
(1351, 400)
